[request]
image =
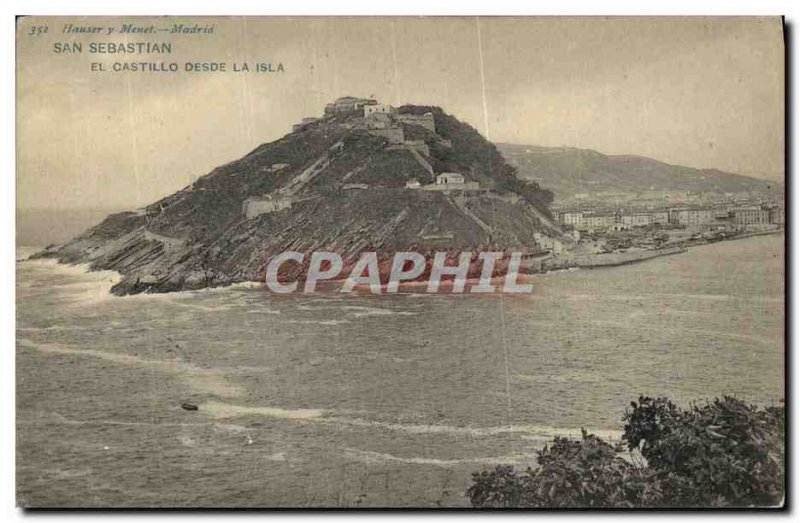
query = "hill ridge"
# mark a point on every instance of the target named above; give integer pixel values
(568, 171)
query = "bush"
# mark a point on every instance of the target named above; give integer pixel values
(571, 473)
(724, 454)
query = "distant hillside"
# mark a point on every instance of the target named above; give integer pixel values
(568, 171)
(333, 183)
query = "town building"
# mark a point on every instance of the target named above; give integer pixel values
(573, 218)
(548, 243)
(746, 217)
(640, 219)
(691, 216)
(776, 213)
(593, 221)
(660, 217)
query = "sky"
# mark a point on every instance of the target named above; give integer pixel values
(701, 92)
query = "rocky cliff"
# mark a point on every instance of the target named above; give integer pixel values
(335, 183)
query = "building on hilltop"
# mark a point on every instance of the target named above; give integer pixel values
(447, 182)
(449, 179)
(376, 108)
(379, 121)
(256, 205)
(347, 105)
(426, 120)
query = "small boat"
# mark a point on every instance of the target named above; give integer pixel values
(188, 406)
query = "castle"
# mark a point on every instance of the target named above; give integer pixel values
(377, 119)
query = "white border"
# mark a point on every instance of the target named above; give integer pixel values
(789, 8)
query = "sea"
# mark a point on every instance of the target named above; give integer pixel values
(367, 401)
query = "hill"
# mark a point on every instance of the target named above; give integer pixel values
(568, 171)
(336, 183)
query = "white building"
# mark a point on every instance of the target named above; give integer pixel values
(413, 184)
(574, 218)
(640, 219)
(376, 109)
(449, 179)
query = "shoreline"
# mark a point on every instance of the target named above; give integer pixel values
(617, 259)
(586, 261)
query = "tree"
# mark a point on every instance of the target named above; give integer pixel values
(723, 454)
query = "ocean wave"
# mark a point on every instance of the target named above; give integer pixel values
(83, 286)
(318, 415)
(687, 296)
(262, 311)
(540, 431)
(51, 328)
(201, 380)
(45, 417)
(370, 457)
(362, 312)
(226, 410)
(317, 322)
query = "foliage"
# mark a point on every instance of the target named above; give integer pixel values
(723, 454)
(571, 473)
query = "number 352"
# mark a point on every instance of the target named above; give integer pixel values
(37, 30)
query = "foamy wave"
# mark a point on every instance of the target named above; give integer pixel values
(246, 285)
(361, 312)
(202, 308)
(545, 433)
(559, 271)
(201, 380)
(378, 457)
(87, 286)
(358, 311)
(51, 328)
(709, 297)
(537, 432)
(225, 410)
(317, 322)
